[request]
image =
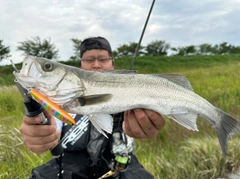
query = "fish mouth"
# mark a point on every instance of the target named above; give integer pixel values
(29, 68)
(28, 74)
(33, 71)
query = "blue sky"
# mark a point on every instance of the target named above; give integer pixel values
(180, 23)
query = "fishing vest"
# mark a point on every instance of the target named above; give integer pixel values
(88, 156)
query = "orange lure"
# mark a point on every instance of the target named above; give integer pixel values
(52, 107)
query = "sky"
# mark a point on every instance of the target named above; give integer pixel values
(178, 22)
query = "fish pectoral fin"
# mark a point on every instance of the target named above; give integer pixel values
(102, 122)
(94, 99)
(187, 120)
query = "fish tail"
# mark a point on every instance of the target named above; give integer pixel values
(227, 127)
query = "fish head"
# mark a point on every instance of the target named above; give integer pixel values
(57, 81)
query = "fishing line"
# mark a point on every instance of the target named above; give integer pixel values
(140, 40)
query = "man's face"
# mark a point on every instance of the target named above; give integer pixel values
(96, 60)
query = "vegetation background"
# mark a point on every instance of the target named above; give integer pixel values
(175, 152)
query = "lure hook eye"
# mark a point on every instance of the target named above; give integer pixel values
(48, 66)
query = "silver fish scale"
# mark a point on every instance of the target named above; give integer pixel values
(143, 91)
(85, 92)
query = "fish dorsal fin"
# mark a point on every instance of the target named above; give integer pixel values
(94, 99)
(178, 79)
(123, 71)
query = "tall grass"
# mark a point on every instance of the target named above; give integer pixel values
(179, 153)
(16, 161)
(175, 152)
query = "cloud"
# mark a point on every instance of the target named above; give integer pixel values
(179, 23)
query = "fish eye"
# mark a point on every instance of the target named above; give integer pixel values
(48, 66)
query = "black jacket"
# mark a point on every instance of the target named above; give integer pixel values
(89, 157)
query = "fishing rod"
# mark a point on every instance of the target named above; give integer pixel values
(140, 40)
(122, 159)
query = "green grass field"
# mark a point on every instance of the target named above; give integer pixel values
(175, 152)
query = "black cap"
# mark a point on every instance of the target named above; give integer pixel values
(95, 43)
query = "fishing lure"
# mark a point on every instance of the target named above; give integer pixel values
(52, 107)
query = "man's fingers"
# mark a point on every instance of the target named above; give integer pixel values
(126, 127)
(39, 137)
(39, 149)
(38, 119)
(49, 116)
(142, 123)
(41, 140)
(32, 120)
(132, 126)
(148, 129)
(156, 119)
(37, 130)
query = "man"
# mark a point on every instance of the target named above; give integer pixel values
(92, 155)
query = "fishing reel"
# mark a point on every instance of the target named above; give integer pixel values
(122, 146)
(121, 162)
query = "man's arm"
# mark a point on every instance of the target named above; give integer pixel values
(39, 138)
(142, 123)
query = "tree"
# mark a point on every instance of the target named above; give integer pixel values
(157, 47)
(127, 50)
(4, 51)
(235, 50)
(184, 51)
(205, 49)
(222, 48)
(190, 50)
(76, 48)
(39, 48)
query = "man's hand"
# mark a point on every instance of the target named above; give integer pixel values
(142, 123)
(39, 138)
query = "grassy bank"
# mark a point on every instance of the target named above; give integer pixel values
(175, 152)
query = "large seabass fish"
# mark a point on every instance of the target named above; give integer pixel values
(100, 93)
